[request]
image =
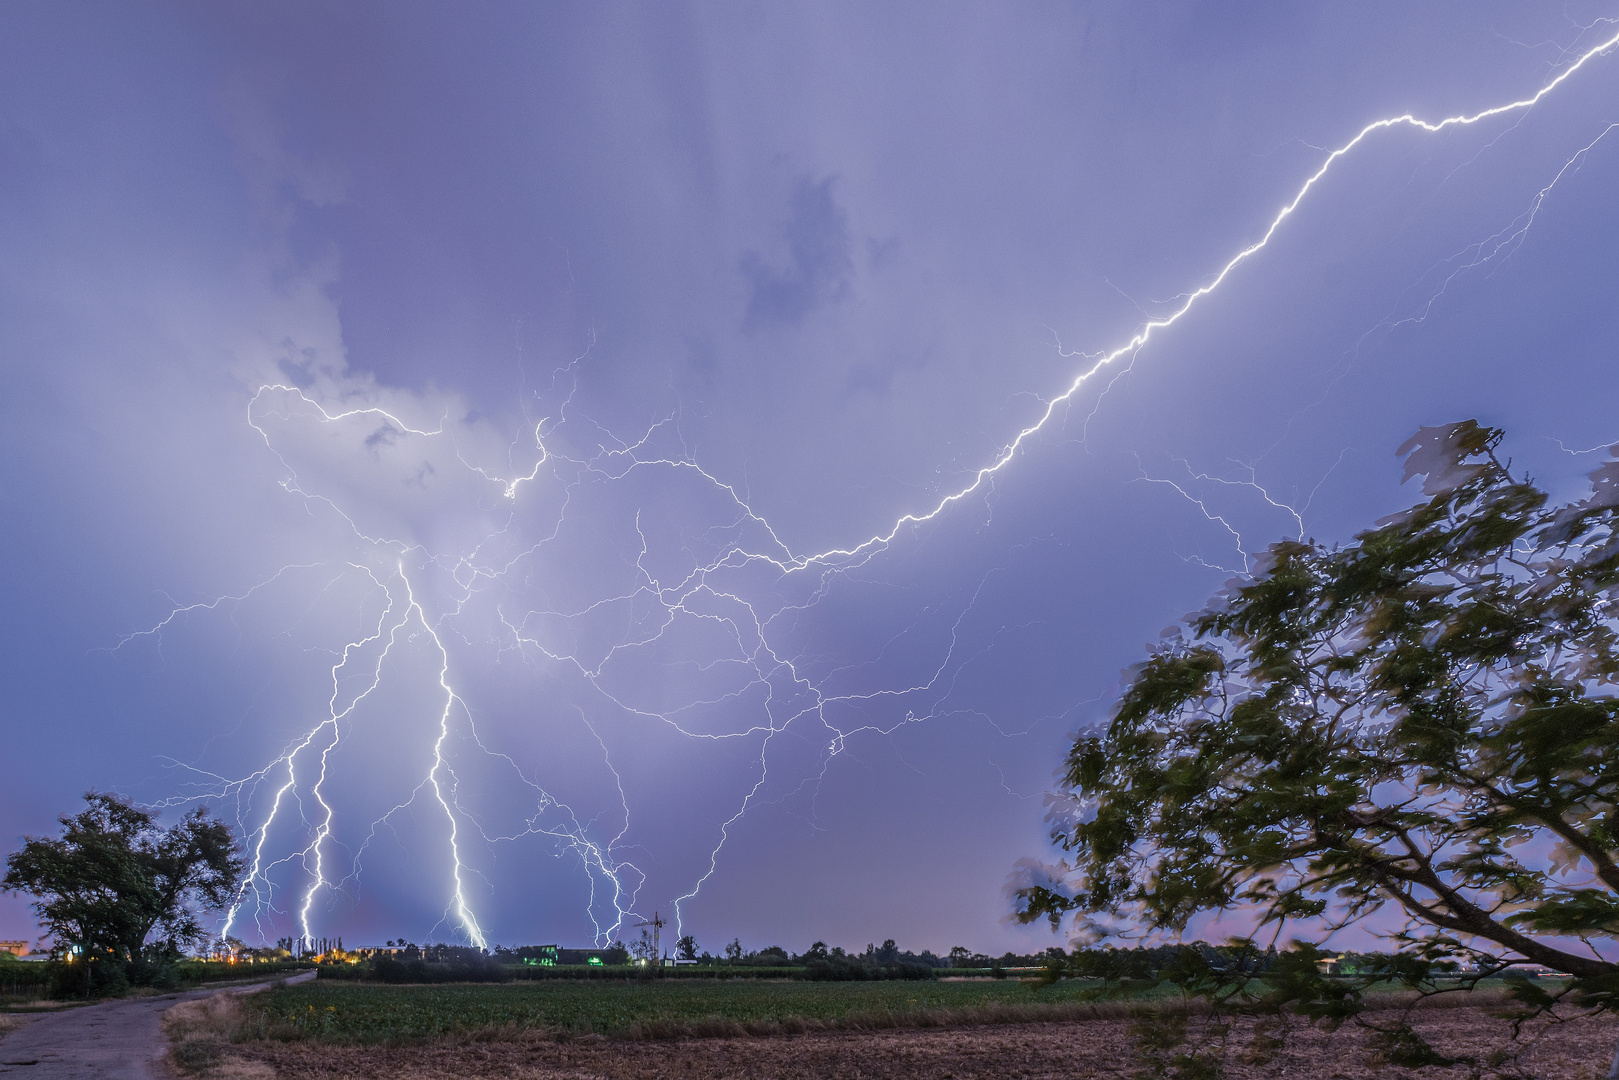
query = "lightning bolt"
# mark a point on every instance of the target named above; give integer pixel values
(721, 592)
(1139, 340)
(469, 922)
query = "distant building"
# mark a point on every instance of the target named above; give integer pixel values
(539, 955)
(15, 948)
(557, 956)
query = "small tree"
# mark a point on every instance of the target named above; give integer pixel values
(686, 949)
(122, 893)
(1424, 720)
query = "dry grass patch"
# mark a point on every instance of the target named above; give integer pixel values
(201, 1036)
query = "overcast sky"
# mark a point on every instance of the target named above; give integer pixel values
(459, 395)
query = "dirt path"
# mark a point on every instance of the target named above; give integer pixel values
(116, 1040)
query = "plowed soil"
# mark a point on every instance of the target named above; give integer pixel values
(1081, 1050)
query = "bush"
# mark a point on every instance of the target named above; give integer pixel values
(197, 1054)
(158, 971)
(22, 972)
(191, 972)
(846, 968)
(93, 979)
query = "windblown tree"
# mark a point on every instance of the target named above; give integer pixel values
(1417, 733)
(122, 895)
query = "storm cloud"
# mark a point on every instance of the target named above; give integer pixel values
(530, 431)
(818, 268)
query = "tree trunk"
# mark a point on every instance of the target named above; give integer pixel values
(1613, 1070)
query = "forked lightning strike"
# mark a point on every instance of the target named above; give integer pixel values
(699, 597)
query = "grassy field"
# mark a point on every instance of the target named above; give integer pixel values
(342, 1012)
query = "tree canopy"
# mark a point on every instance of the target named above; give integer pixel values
(1420, 724)
(122, 891)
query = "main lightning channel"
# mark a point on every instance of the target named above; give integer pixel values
(1142, 336)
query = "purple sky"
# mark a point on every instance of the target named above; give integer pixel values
(355, 352)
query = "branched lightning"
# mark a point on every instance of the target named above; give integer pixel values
(738, 584)
(1497, 247)
(1139, 340)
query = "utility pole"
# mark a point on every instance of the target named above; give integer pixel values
(657, 924)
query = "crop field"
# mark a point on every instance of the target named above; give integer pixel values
(811, 1031)
(345, 1012)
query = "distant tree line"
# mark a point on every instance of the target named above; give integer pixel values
(124, 900)
(820, 962)
(437, 964)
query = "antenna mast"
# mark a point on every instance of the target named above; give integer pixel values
(657, 923)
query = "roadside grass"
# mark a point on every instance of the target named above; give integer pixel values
(26, 987)
(15, 1006)
(32, 1004)
(29, 998)
(200, 1033)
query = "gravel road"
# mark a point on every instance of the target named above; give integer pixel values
(116, 1040)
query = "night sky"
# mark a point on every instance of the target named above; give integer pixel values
(492, 406)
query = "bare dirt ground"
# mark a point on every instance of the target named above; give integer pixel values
(1036, 1051)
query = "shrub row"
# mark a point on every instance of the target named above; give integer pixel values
(113, 977)
(388, 969)
(673, 971)
(217, 970)
(845, 968)
(18, 976)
